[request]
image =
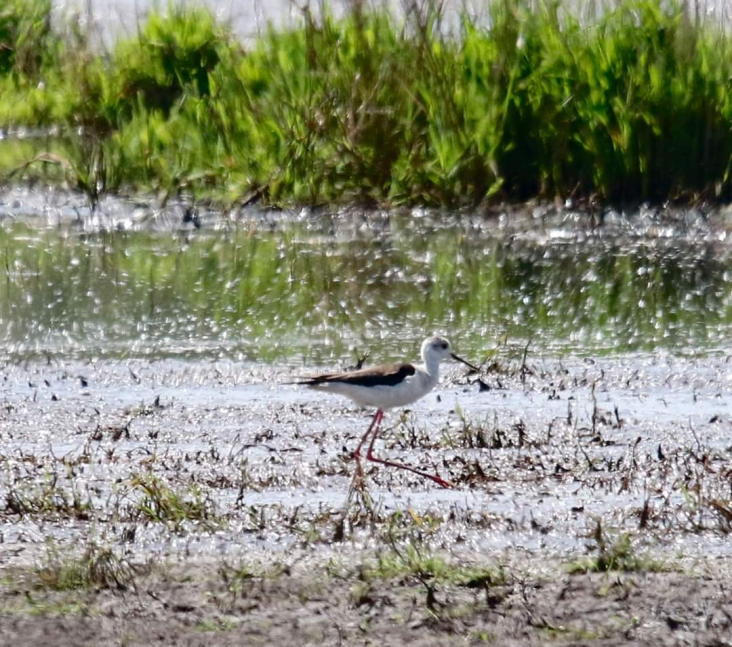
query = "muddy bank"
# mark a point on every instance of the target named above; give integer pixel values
(340, 604)
(538, 220)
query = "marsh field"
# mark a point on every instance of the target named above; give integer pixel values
(188, 224)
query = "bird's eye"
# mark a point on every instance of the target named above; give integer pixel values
(443, 345)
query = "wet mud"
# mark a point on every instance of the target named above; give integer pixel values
(330, 607)
(555, 463)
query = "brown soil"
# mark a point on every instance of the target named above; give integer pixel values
(198, 605)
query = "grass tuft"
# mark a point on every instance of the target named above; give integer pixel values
(159, 502)
(411, 560)
(48, 499)
(96, 568)
(614, 554)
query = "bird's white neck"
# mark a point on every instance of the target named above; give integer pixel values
(432, 367)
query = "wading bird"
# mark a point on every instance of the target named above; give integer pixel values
(386, 387)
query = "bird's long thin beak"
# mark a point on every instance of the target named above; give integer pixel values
(460, 359)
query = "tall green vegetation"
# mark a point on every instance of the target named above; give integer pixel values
(26, 39)
(634, 105)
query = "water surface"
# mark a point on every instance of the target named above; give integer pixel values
(318, 288)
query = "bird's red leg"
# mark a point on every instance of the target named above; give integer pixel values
(370, 456)
(374, 424)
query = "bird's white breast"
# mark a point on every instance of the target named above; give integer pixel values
(409, 390)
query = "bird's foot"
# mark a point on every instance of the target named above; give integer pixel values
(442, 482)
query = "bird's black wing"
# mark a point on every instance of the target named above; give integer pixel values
(385, 375)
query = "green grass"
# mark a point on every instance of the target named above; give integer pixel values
(411, 560)
(216, 625)
(27, 43)
(161, 503)
(633, 105)
(615, 554)
(97, 567)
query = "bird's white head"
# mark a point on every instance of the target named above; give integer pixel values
(435, 349)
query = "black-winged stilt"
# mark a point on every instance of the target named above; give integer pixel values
(388, 386)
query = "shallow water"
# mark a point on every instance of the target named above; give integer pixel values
(574, 442)
(141, 341)
(249, 18)
(134, 281)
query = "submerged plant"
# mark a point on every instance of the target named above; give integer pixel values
(48, 499)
